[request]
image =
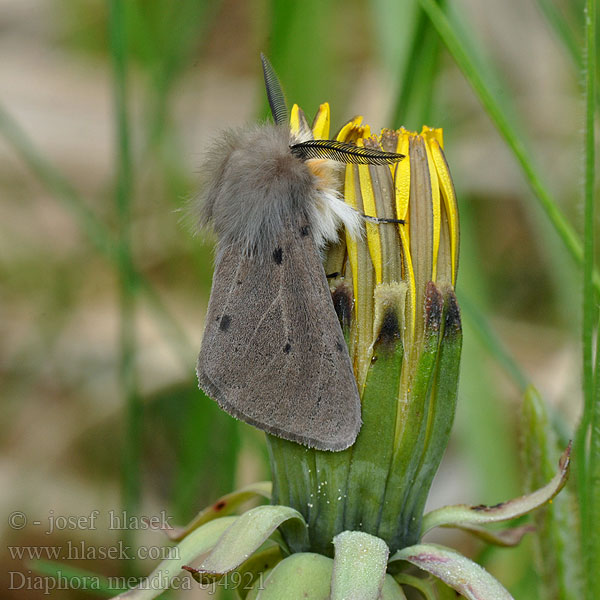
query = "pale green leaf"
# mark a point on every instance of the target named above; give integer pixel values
(194, 545)
(391, 590)
(302, 576)
(225, 505)
(246, 535)
(455, 570)
(359, 566)
(462, 514)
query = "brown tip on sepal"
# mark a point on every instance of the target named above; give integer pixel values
(453, 323)
(342, 303)
(389, 333)
(434, 304)
(487, 508)
(197, 574)
(565, 460)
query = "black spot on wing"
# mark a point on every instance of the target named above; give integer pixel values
(278, 255)
(287, 348)
(225, 323)
(304, 231)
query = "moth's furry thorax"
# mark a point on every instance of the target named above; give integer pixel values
(254, 185)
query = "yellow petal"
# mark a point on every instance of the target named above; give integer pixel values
(295, 120)
(449, 196)
(320, 126)
(402, 177)
(369, 208)
(435, 207)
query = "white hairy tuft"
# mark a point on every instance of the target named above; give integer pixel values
(331, 212)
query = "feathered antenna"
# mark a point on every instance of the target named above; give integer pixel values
(344, 153)
(279, 108)
(331, 149)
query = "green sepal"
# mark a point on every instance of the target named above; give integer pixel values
(558, 549)
(410, 431)
(189, 549)
(294, 473)
(373, 449)
(442, 406)
(359, 566)
(329, 499)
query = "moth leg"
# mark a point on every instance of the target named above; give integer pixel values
(379, 220)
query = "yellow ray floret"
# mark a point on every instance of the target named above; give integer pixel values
(369, 208)
(320, 127)
(449, 196)
(435, 206)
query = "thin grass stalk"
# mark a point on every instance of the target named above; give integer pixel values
(560, 26)
(490, 340)
(132, 447)
(593, 479)
(566, 35)
(96, 231)
(589, 471)
(491, 104)
(415, 94)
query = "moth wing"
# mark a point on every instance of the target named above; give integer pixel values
(273, 352)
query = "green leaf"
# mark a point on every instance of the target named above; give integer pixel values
(425, 585)
(359, 566)
(460, 573)
(505, 537)
(246, 535)
(252, 572)
(225, 505)
(194, 545)
(391, 590)
(462, 514)
(302, 576)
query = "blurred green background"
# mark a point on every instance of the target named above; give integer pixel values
(106, 109)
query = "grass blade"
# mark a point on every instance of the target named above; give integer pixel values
(96, 231)
(490, 340)
(132, 449)
(414, 98)
(468, 64)
(589, 459)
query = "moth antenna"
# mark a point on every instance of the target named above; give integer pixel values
(275, 95)
(343, 152)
